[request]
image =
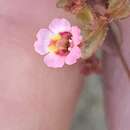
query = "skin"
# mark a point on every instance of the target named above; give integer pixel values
(117, 89)
(32, 96)
(35, 97)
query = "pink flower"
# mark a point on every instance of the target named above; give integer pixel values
(59, 43)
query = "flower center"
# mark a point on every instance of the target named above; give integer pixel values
(60, 43)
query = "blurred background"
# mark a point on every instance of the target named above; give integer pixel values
(90, 114)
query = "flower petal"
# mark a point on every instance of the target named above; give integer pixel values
(43, 40)
(54, 61)
(60, 25)
(76, 35)
(73, 56)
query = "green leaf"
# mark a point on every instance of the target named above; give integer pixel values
(61, 3)
(86, 15)
(113, 3)
(95, 39)
(123, 13)
(119, 9)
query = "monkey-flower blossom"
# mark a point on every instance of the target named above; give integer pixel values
(59, 43)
